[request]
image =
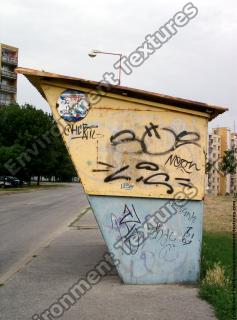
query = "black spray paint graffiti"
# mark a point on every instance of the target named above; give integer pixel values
(148, 172)
(189, 216)
(158, 178)
(133, 233)
(183, 164)
(167, 241)
(173, 140)
(82, 131)
(130, 221)
(188, 236)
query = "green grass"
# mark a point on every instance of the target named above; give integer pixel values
(216, 262)
(216, 272)
(33, 187)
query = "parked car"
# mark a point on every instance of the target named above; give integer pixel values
(9, 182)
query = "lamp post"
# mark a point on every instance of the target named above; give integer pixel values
(94, 53)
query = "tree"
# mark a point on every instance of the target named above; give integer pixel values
(30, 144)
(228, 164)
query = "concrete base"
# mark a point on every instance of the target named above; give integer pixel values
(155, 240)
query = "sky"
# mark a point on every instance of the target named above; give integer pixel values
(199, 63)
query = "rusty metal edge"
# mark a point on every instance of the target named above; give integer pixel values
(34, 76)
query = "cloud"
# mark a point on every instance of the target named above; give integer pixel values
(56, 35)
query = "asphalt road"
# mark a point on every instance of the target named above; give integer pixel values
(29, 221)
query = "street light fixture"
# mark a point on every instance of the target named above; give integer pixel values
(94, 53)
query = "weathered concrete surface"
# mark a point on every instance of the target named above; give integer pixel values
(152, 251)
(85, 220)
(67, 259)
(29, 220)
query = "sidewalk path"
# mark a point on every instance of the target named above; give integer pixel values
(67, 259)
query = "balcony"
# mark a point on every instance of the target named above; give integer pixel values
(8, 74)
(7, 88)
(8, 60)
(6, 102)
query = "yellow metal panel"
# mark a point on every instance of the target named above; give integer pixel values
(132, 103)
(130, 151)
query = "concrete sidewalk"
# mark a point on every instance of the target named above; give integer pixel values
(67, 259)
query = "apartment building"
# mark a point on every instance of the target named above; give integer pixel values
(214, 156)
(8, 78)
(220, 140)
(233, 181)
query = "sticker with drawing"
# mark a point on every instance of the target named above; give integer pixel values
(72, 105)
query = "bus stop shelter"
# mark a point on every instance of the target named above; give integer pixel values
(141, 159)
